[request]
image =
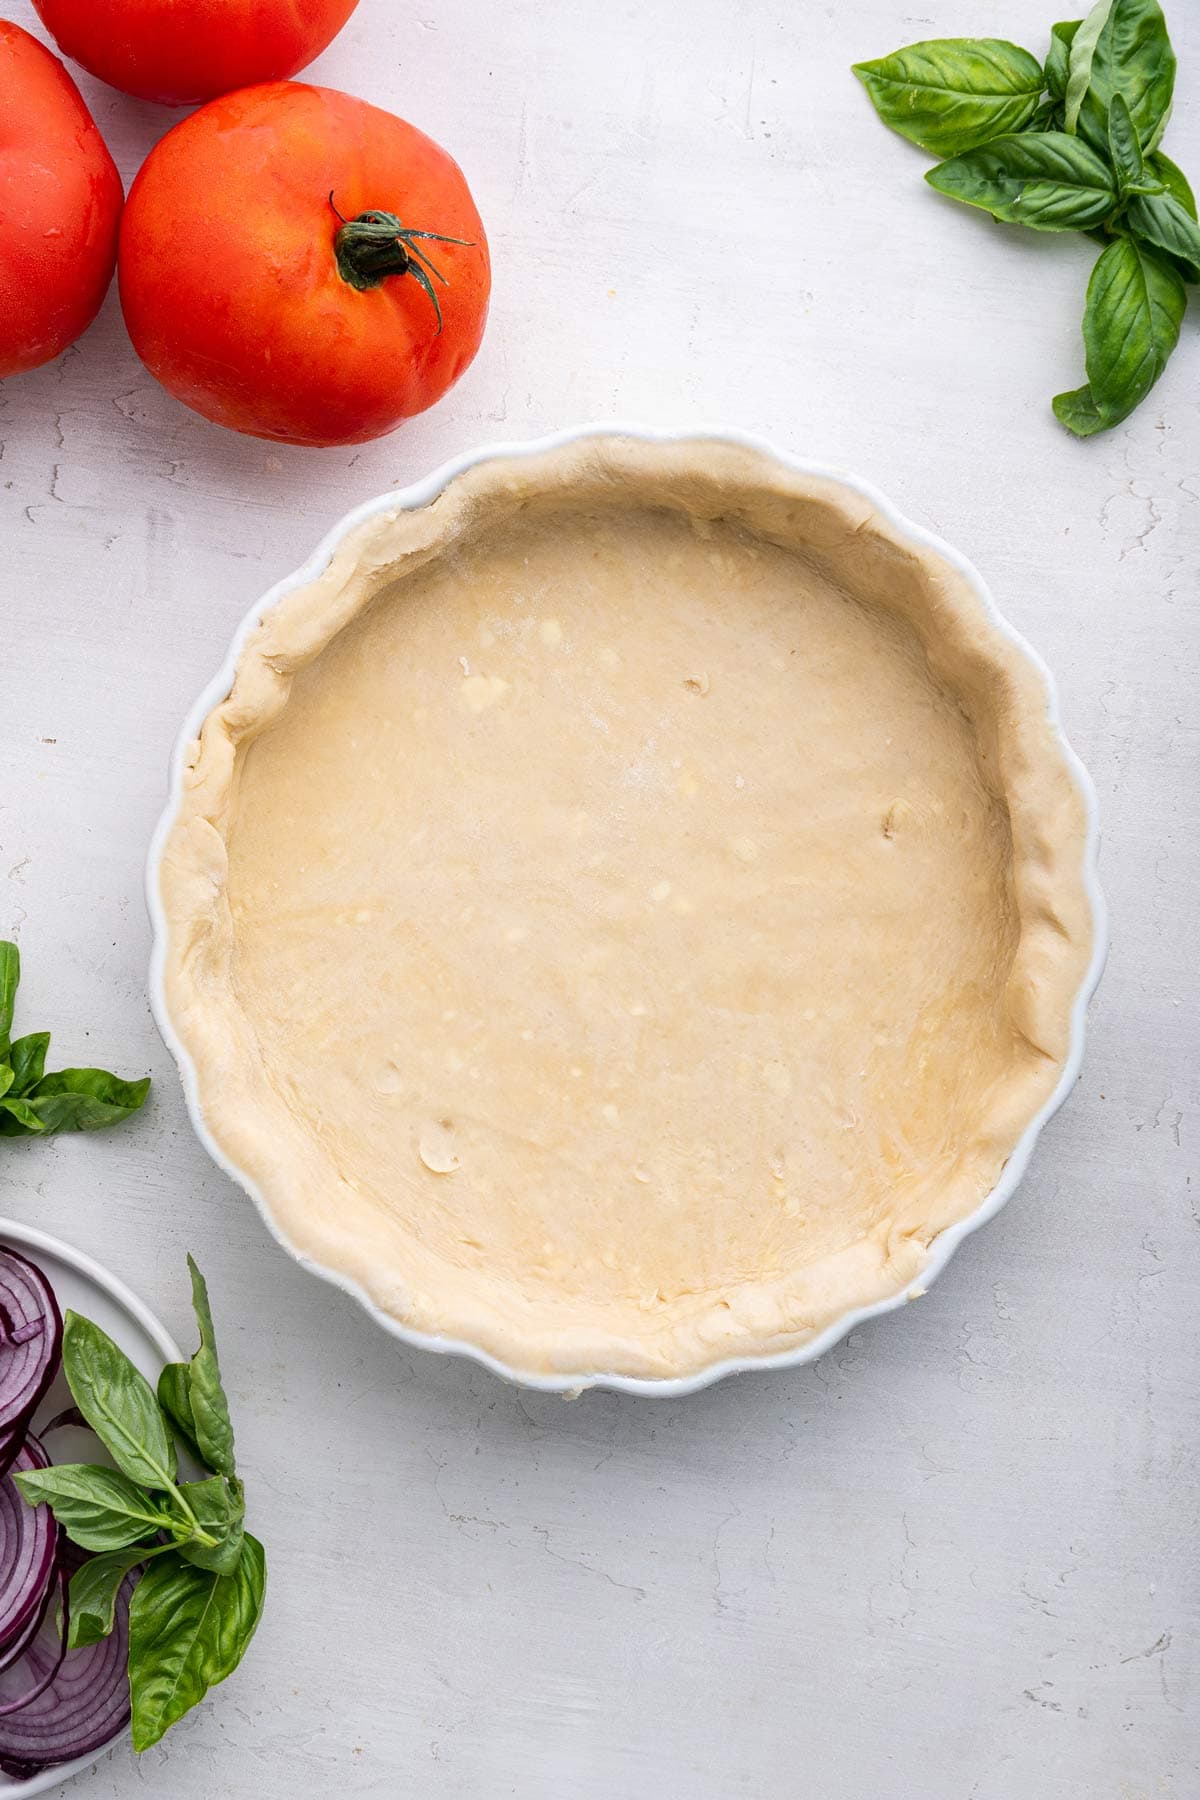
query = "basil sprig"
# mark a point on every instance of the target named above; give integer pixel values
(1070, 144)
(200, 1594)
(34, 1104)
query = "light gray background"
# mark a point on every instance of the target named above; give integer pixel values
(957, 1558)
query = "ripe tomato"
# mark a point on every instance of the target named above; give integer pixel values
(299, 265)
(60, 201)
(184, 51)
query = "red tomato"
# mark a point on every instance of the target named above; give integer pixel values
(183, 51)
(299, 265)
(60, 202)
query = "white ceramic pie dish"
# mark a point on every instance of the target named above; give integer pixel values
(572, 1379)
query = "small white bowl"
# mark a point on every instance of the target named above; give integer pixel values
(944, 1246)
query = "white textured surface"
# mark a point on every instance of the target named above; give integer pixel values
(957, 1558)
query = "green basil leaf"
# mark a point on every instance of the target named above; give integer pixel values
(10, 977)
(92, 1597)
(1135, 306)
(1050, 181)
(1125, 153)
(1121, 47)
(27, 1057)
(221, 1510)
(1047, 117)
(1174, 180)
(98, 1508)
(1079, 62)
(85, 1099)
(1160, 220)
(1058, 56)
(188, 1630)
(118, 1403)
(949, 94)
(1079, 413)
(210, 1408)
(175, 1400)
(7, 1078)
(18, 1119)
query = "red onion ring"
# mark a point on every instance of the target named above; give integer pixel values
(43, 1656)
(10, 1443)
(30, 1339)
(28, 1543)
(21, 1643)
(83, 1708)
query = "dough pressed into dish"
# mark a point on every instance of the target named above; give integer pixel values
(627, 908)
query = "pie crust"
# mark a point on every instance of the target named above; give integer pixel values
(627, 908)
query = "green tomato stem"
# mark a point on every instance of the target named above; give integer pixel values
(375, 245)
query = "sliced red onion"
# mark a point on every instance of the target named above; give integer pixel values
(30, 1338)
(28, 1680)
(28, 1541)
(22, 1641)
(69, 1418)
(55, 1704)
(83, 1708)
(10, 1443)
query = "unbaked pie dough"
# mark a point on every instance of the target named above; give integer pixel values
(626, 909)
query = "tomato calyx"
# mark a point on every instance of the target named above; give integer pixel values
(375, 245)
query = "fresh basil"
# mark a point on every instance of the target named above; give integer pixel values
(1135, 306)
(1174, 181)
(1160, 220)
(1121, 47)
(220, 1509)
(83, 1100)
(1058, 56)
(949, 94)
(1047, 117)
(1078, 153)
(1079, 62)
(27, 1059)
(198, 1601)
(34, 1104)
(192, 1395)
(118, 1403)
(92, 1596)
(1124, 151)
(210, 1408)
(10, 976)
(99, 1508)
(1078, 411)
(175, 1399)
(188, 1630)
(17, 1118)
(1051, 182)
